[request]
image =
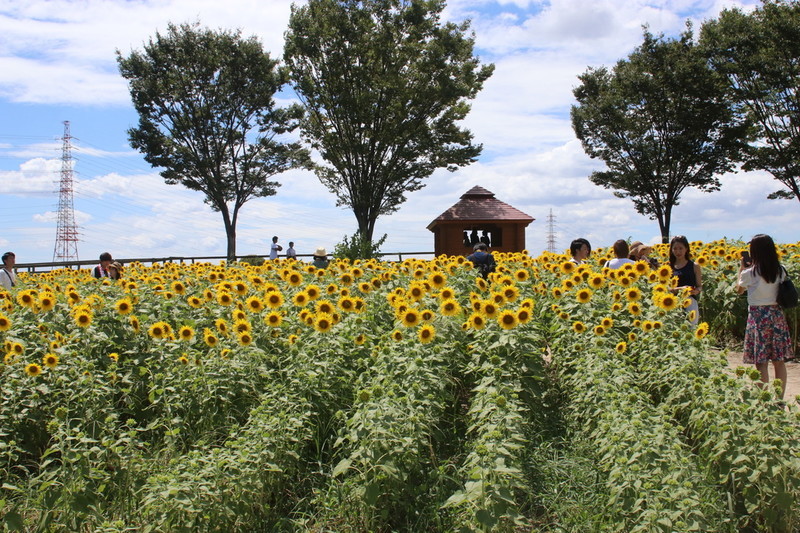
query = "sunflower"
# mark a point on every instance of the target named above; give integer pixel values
(292, 339)
(158, 330)
(300, 299)
(489, 309)
(415, 292)
(254, 304)
(447, 294)
(567, 267)
(521, 275)
(323, 322)
(508, 319)
(397, 335)
(634, 308)
(701, 331)
(450, 307)
(240, 288)
(666, 301)
(633, 294)
(186, 333)
(557, 292)
(313, 291)
(621, 347)
(426, 315)
(178, 287)
(242, 326)
(596, 281)
(481, 284)
(426, 333)
(325, 306)
(583, 295)
(346, 304)
(183, 360)
(498, 298)
(360, 339)
(647, 326)
(346, 278)
(5, 323)
(599, 330)
(578, 327)
(114, 356)
(273, 319)
(607, 322)
(50, 360)
(245, 338)
(134, 322)
(33, 370)
(47, 301)
(27, 298)
(83, 318)
(664, 273)
(410, 318)
(632, 336)
(224, 298)
(476, 321)
(274, 299)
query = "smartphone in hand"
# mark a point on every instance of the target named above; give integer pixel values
(746, 259)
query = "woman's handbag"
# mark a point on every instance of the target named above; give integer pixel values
(787, 292)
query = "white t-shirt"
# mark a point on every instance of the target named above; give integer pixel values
(617, 262)
(7, 279)
(759, 292)
(273, 251)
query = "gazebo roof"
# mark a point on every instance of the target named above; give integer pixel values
(480, 205)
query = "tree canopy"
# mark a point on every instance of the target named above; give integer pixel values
(384, 83)
(759, 54)
(207, 116)
(661, 122)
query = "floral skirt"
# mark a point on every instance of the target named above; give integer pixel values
(766, 337)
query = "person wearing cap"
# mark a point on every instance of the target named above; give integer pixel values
(101, 270)
(8, 278)
(320, 258)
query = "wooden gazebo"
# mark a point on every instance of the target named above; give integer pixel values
(479, 216)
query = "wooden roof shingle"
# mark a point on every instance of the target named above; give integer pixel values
(480, 205)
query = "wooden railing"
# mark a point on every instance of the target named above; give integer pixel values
(44, 267)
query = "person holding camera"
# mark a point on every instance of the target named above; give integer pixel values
(766, 336)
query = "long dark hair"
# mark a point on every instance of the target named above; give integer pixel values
(765, 257)
(684, 241)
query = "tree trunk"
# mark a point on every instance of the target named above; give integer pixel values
(663, 225)
(230, 231)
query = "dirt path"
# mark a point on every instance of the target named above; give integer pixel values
(792, 371)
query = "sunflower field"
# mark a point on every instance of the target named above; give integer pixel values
(379, 396)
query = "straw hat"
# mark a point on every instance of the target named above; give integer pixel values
(320, 252)
(640, 249)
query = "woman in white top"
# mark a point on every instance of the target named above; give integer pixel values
(766, 336)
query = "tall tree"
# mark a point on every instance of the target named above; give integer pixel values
(759, 54)
(207, 116)
(661, 122)
(384, 83)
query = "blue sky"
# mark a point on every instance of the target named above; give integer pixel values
(57, 63)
